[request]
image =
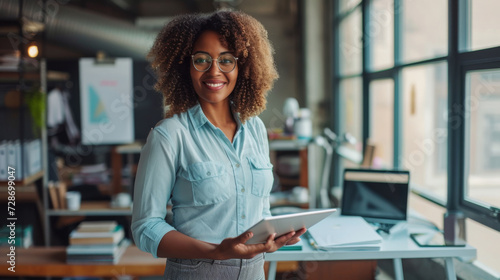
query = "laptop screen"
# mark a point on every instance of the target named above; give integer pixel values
(376, 195)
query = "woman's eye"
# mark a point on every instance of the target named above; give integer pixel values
(200, 60)
(226, 61)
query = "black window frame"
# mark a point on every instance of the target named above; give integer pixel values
(459, 63)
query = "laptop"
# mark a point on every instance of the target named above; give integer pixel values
(379, 196)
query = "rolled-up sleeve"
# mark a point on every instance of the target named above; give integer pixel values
(153, 185)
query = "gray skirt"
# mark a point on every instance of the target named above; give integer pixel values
(205, 269)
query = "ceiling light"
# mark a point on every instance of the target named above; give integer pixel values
(33, 51)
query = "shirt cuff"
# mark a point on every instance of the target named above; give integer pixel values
(152, 236)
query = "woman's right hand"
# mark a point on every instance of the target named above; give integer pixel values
(235, 248)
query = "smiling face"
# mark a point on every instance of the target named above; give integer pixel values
(212, 86)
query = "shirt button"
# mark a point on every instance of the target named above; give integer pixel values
(237, 165)
(243, 216)
(208, 173)
(243, 190)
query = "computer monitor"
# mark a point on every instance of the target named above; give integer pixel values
(379, 196)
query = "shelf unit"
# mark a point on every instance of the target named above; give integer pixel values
(301, 150)
(96, 209)
(17, 77)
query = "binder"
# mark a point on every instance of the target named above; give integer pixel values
(26, 158)
(18, 160)
(35, 156)
(11, 158)
(3, 161)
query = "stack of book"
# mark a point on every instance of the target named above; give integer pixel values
(344, 233)
(92, 175)
(96, 242)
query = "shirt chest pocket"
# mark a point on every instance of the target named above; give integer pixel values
(209, 183)
(262, 176)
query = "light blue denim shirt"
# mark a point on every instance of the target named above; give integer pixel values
(218, 189)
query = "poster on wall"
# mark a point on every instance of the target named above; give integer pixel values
(106, 100)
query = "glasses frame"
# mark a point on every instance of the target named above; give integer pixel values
(212, 62)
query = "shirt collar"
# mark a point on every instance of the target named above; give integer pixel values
(198, 118)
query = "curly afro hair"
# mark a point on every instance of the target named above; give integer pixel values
(171, 60)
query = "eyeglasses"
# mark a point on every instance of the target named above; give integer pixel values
(202, 62)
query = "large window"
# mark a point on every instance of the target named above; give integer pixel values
(424, 127)
(420, 80)
(483, 102)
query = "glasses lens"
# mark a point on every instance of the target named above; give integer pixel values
(226, 62)
(202, 61)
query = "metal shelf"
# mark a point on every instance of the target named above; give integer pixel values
(92, 208)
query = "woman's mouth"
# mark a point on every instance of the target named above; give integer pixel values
(214, 85)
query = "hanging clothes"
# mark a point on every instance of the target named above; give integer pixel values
(60, 120)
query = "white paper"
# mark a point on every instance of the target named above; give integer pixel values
(106, 98)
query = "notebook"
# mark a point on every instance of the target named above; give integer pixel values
(344, 233)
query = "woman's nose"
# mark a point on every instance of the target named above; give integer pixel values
(215, 67)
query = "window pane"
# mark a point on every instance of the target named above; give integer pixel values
(480, 237)
(483, 103)
(351, 45)
(425, 126)
(351, 113)
(346, 5)
(381, 34)
(485, 24)
(382, 122)
(424, 29)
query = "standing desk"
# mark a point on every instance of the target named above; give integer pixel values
(397, 246)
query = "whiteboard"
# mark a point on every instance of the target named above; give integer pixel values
(106, 101)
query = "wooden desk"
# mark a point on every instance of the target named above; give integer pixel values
(51, 261)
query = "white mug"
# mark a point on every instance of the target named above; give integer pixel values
(123, 200)
(300, 194)
(73, 200)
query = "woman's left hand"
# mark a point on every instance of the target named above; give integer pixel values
(285, 240)
(231, 248)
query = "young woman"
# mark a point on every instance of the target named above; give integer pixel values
(210, 155)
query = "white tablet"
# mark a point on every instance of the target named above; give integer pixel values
(282, 224)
